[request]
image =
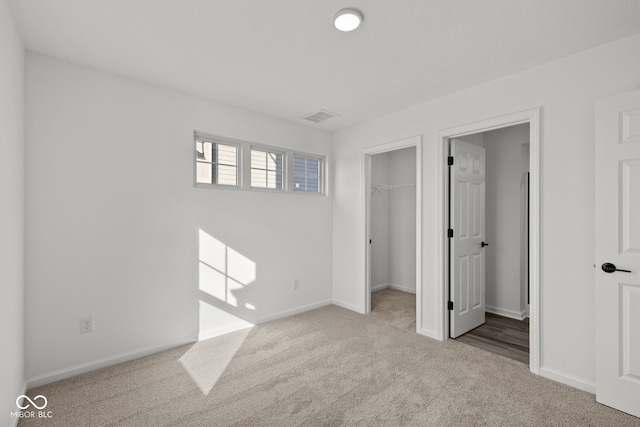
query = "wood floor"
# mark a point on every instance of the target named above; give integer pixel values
(501, 335)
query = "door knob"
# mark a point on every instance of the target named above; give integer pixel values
(483, 244)
(607, 267)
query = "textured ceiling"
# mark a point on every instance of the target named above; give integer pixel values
(285, 59)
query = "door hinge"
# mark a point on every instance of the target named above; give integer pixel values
(450, 305)
(450, 232)
(450, 160)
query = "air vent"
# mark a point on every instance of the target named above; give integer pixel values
(319, 116)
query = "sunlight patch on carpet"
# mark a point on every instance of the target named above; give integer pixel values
(206, 361)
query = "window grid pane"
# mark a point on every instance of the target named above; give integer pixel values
(306, 175)
(267, 169)
(216, 163)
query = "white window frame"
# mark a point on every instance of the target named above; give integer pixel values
(285, 169)
(321, 174)
(243, 169)
(199, 136)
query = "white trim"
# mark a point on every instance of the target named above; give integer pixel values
(212, 333)
(321, 173)
(413, 141)
(285, 167)
(347, 306)
(72, 371)
(533, 117)
(23, 391)
(366, 194)
(504, 312)
(293, 311)
(419, 281)
(136, 354)
(401, 288)
(243, 167)
(569, 380)
(429, 333)
(377, 288)
(197, 135)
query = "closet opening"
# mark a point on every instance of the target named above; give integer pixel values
(488, 233)
(393, 233)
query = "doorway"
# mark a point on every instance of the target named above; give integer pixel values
(393, 237)
(500, 253)
(513, 303)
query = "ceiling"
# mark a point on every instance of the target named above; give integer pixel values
(285, 59)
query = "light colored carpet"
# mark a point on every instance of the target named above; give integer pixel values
(394, 307)
(326, 367)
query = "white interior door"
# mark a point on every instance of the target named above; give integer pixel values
(466, 243)
(618, 243)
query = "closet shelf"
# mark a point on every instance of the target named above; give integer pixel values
(378, 187)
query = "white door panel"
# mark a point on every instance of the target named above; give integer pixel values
(467, 183)
(630, 204)
(618, 243)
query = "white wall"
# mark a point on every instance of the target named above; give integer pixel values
(380, 246)
(505, 167)
(11, 215)
(402, 219)
(566, 90)
(475, 139)
(116, 229)
(524, 231)
(393, 221)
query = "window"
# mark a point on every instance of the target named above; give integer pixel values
(267, 169)
(216, 162)
(221, 162)
(306, 174)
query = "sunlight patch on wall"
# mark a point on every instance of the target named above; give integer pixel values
(214, 321)
(224, 274)
(223, 271)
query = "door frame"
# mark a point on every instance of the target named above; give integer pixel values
(414, 141)
(533, 117)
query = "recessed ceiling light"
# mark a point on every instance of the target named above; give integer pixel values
(348, 19)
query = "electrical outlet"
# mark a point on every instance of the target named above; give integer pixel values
(86, 324)
(296, 284)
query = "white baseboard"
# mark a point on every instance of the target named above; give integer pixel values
(293, 311)
(348, 306)
(136, 354)
(393, 286)
(518, 315)
(402, 288)
(72, 371)
(569, 380)
(380, 287)
(430, 334)
(212, 333)
(16, 420)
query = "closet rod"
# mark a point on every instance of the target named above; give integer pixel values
(377, 187)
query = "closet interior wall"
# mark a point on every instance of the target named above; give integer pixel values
(393, 221)
(506, 257)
